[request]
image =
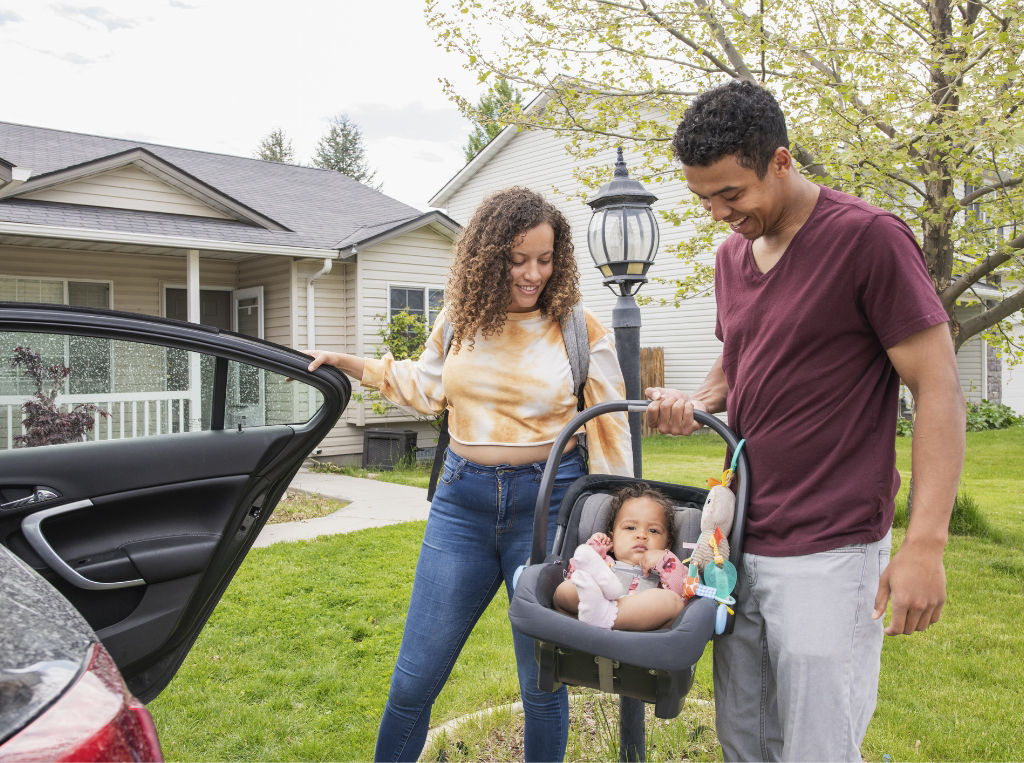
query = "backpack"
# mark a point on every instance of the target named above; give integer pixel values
(577, 347)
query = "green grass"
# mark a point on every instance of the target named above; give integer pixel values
(295, 662)
(298, 505)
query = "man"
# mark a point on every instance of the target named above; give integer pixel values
(824, 304)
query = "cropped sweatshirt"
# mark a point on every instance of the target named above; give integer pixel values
(513, 388)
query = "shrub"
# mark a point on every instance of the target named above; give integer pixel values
(980, 416)
(989, 415)
(45, 423)
(966, 518)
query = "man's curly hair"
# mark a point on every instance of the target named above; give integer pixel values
(480, 281)
(738, 118)
(643, 490)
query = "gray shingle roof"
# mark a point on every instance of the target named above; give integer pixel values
(321, 208)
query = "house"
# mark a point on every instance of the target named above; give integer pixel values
(539, 160)
(300, 256)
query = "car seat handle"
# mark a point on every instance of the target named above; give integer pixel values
(547, 485)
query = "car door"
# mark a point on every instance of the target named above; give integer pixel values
(142, 520)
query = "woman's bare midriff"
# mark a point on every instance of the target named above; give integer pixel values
(492, 455)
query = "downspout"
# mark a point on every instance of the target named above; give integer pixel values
(311, 325)
(311, 303)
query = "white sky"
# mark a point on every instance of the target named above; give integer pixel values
(219, 75)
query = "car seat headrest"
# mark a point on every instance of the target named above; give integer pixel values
(596, 511)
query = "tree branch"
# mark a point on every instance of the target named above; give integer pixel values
(978, 323)
(699, 49)
(984, 268)
(973, 196)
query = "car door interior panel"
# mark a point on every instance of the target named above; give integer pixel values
(142, 530)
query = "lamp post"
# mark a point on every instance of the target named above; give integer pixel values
(623, 240)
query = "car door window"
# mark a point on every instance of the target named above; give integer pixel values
(65, 388)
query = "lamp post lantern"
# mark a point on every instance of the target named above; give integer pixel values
(623, 239)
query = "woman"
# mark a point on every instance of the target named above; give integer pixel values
(507, 385)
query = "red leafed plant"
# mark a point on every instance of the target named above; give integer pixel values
(45, 423)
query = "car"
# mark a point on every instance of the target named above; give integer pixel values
(165, 446)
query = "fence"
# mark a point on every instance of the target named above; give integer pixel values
(131, 414)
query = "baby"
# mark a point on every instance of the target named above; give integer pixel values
(641, 532)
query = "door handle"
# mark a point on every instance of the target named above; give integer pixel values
(31, 526)
(39, 495)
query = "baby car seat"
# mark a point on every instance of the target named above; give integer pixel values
(653, 666)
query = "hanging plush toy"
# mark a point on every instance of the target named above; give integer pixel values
(715, 524)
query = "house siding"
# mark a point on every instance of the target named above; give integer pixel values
(127, 187)
(972, 364)
(274, 275)
(355, 295)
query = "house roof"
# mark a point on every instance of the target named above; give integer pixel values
(265, 205)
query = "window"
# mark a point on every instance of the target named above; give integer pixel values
(425, 302)
(87, 357)
(141, 403)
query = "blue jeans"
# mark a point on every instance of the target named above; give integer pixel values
(479, 532)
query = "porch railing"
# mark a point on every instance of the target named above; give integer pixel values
(130, 414)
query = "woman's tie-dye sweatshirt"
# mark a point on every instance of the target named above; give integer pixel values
(514, 388)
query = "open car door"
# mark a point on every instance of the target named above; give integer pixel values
(144, 519)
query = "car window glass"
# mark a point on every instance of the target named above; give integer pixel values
(56, 388)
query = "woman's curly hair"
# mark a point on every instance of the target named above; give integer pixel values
(480, 281)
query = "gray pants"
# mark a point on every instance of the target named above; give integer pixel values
(797, 679)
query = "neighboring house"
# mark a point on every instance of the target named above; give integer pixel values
(539, 160)
(296, 255)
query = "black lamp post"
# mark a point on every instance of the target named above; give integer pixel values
(623, 240)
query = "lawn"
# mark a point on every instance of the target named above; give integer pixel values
(295, 662)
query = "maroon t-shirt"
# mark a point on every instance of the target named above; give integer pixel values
(810, 385)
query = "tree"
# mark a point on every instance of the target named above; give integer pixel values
(341, 149)
(495, 109)
(276, 147)
(914, 105)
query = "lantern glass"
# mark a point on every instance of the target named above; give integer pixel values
(604, 238)
(641, 233)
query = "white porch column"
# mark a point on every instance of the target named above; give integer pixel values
(192, 311)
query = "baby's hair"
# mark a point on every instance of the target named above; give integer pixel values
(643, 490)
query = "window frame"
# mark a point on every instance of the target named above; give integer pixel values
(66, 285)
(429, 313)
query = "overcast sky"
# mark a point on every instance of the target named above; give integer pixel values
(218, 75)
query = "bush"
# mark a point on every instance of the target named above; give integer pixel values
(45, 423)
(966, 518)
(989, 415)
(980, 416)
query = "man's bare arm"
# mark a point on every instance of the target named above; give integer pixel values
(915, 579)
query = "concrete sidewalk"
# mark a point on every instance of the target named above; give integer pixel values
(373, 504)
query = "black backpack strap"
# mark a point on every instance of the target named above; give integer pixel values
(443, 438)
(442, 445)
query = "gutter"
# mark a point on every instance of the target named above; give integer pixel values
(173, 242)
(11, 177)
